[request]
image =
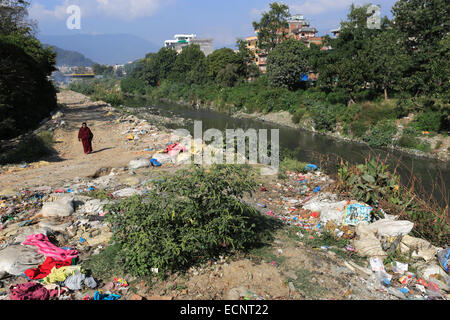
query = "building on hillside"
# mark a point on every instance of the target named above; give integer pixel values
(260, 57)
(183, 40)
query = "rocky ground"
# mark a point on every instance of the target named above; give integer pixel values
(61, 198)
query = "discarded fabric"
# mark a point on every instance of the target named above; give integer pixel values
(48, 249)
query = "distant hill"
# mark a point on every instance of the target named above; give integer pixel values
(104, 49)
(71, 58)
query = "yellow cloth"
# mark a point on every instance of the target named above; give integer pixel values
(61, 274)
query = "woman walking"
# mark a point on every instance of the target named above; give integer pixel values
(85, 136)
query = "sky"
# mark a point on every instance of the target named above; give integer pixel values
(159, 20)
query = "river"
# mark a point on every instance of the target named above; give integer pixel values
(433, 176)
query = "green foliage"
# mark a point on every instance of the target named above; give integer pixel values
(368, 182)
(298, 115)
(192, 216)
(26, 94)
(428, 121)
(324, 117)
(269, 26)
(358, 128)
(373, 184)
(107, 90)
(286, 64)
(293, 165)
(381, 134)
(132, 85)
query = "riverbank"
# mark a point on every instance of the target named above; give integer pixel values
(313, 254)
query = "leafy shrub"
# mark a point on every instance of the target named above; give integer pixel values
(194, 215)
(424, 146)
(381, 134)
(324, 117)
(408, 141)
(293, 165)
(372, 183)
(339, 96)
(368, 182)
(298, 115)
(358, 128)
(428, 121)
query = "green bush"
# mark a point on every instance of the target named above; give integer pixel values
(358, 128)
(428, 121)
(298, 115)
(408, 141)
(293, 165)
(324, 117)
(381, 134)
(194, 215)
(424, 146)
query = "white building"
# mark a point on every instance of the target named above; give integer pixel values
(183, 40)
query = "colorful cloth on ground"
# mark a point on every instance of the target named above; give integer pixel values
(174, 149)
(45, 269)
(99, 296)
(29, 291)
(48, 249)
(61, 274)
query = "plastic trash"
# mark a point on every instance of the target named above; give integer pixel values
(311, 167)
(399, 267)
(99, 296)
(356, 213)
(444, 257)
(376, 264)
(318, 189)
(155, 163)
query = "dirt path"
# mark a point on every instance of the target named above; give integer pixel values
(111, 149)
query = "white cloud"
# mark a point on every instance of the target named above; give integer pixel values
(120, 9)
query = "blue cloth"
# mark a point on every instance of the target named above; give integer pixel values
(318, 189)
(155, 163)
(443, 257)
(99, 296)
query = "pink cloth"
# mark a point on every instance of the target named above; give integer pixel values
(48, 249)
(174, 149)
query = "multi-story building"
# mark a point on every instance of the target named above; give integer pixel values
(183, 40)
(298, 28)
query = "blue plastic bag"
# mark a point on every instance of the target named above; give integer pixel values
(311, 167)
(99, 296)
(155, 163)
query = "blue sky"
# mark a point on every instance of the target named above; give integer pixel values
(158, 20)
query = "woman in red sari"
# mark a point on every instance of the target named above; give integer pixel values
(85, 136)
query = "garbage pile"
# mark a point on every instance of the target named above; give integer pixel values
(307, 202)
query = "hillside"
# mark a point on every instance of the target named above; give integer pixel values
(104, 49)
(71, 58)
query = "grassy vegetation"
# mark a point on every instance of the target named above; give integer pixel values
(193, 216)
(30, 149)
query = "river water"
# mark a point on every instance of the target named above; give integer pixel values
(433, 176)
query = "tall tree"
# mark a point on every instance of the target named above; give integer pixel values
(286, 64)
(423, 25)
(190, 66)
(271, 29)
